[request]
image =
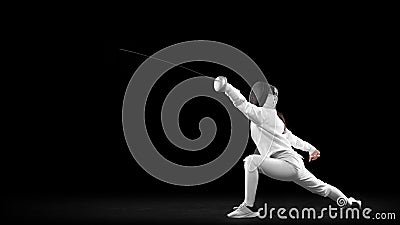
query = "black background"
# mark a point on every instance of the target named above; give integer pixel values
(335, 90)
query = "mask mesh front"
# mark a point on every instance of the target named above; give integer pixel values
(259, 93)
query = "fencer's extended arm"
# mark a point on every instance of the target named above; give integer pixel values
(297, 143)
(251, 111)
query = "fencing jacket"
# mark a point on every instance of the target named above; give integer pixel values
(267, 129)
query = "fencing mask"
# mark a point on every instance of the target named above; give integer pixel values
(263, 94)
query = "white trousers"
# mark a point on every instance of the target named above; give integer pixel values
(284, 166)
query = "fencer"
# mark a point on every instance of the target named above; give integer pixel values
(275, 156)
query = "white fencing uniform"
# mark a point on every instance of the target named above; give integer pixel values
(277, 159)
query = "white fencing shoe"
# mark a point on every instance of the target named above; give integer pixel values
(242, 212)
(355, 203)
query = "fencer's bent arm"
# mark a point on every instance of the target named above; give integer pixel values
(297, 143)
(251, 111)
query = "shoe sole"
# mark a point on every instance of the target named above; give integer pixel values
(249, 215)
